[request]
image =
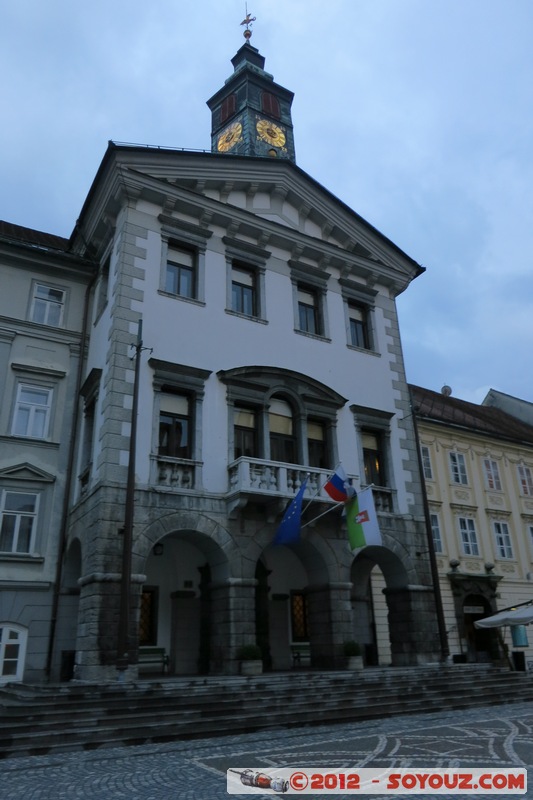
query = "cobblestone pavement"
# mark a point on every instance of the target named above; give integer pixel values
(495, 737)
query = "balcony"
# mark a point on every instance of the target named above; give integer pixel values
(260, 481)
(256, 479)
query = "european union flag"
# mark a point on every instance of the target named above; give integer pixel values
(289, 527)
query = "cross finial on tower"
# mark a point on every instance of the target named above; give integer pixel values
(247, 21)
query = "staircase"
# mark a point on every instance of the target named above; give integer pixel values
(36, 720)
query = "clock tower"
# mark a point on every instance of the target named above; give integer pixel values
(251, 115)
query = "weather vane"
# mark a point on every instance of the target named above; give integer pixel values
(247, 21)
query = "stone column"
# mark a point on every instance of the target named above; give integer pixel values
(413, 631)
(330, 623)
(96, 644)
(233, 608)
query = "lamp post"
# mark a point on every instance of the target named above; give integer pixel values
(444, 647)
(123, 638)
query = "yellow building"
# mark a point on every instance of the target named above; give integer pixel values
(478, 469)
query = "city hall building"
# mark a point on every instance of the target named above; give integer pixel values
(218, 328)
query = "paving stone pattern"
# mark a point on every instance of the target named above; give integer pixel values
(495, 737)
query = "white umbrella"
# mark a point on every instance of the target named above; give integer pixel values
(514, 616)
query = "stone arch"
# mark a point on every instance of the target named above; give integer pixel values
(216, 542)
(401, 618)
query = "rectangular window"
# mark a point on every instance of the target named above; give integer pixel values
(243, 291)
(467, 530)
(373, 459)
(435, 531)
(492, 475)
(175, 439)
(148, 616)
(308, 311)
(426, 463)
(48, 305)
(19, 514)
(32, 412)
(317, 444)
(245, 433)
(526, 481)
(458, 468)
(504, 548)
(180, 272)
(359, 334)
(299, 617)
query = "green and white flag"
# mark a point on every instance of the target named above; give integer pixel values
(361, 521)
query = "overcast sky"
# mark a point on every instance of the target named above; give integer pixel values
(416, 113)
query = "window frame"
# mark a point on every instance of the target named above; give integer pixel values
(427, 467)
(359, 328)
(502, 539)
(436, 533)
(185, 236)
(48, 304)
(312, 281)
(299, 595)
(33, 515)
(458, 468)
(358, 297)
(22, 641)
(182, 380)
(492, 474)
(177, 418)
(242, 288)
(468, 536)
(525, 480)
(175, 268)
(250, 259)
(18, 408)
(252, 431)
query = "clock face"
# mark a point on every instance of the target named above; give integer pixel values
(229, 137)
(271, 133)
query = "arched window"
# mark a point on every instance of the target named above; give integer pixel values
(281, 427)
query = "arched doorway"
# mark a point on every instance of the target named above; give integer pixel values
(293, 603)
(177, 613)
(385, 608)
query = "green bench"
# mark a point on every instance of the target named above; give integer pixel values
(153, 659)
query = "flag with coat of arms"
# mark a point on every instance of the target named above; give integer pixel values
(361, 520)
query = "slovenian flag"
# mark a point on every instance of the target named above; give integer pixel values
(362, 522)
(289, 527)
(338, 487)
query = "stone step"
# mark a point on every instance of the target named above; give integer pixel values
(80, 716)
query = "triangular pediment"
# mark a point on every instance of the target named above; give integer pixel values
(271, 201)
(26, 472)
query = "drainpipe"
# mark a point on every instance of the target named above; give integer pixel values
(68, 480)
(444, 647)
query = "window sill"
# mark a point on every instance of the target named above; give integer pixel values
(316, 336)
(365, 350)
(27, 558)
(249, 317)
(193, 300)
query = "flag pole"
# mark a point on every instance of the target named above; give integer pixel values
(319, 488)
(322, 515)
